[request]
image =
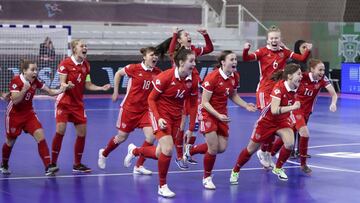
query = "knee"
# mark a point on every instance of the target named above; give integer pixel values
(213, 148)
(289, 145)
(167, 150)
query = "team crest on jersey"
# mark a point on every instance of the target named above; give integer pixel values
(123, 125)
(157, 82)
(14, 86)
(206, 84)
(221, 83)
(59, 112)
(188, 84)
(281, 54)
(256, 136)
(317, 86)
(277, 91)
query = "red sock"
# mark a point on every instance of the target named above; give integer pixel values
(79, 149)
(141, 159)
(147, 152)
(199, 149)
(283, 157)
(44, 152)
(56, 147)
(179, 141)
(303, 149)
(276, 146)
(110, 146)
(209, 161)
(6, 151)
(264, 147)
(243, 157)
(192, 140)
(163, 167)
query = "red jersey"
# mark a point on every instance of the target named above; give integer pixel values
(76, 73)
(308, 91)
(221, 86)
(271, 62)
(172, 92)
(287, 97)
(16, 85)
(139, 87)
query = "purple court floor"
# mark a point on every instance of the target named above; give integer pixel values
(334, 146)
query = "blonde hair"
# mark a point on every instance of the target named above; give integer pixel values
(73, 44)
(273, 28)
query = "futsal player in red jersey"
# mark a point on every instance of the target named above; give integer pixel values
(134, 109)
(310, 86)
(166, 102)
(271, 58)
(69, 105)
(218, 86)
(20, 115)
(181, 38)
(276, 118)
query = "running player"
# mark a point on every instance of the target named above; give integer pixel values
(134, 109)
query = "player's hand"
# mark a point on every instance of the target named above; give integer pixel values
(162, 123)
(69, 85)
(283, 46)
(5, 96)
(296, 105)
(175, 29)
(62, 88)
(332, 107)
(308, 46)
(106, 87)
(247, 45)
(26, 86)
(114, 96)
(202, 31)
(223, 118)
(251, 107)
(189, 133)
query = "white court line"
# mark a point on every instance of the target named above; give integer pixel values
(126, 174)
(334, 145)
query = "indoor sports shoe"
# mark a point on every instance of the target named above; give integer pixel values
(5, 169)
(141, 170)
(208, 183)
(130, 156)
(270, 160)
(165, 191)
(187, 157)
(234, 177)
(101, 159)
(192, 161)
(51, 170)
(262, 156)
(280, 173)
(306, 169)
(81, 168)
(181, 163)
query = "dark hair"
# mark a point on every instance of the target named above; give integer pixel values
(290, 68)
(146, 50)
(24, 64)
(222, 57)
(297, 45)
(181, 55)
(163, 47)
(313, 62)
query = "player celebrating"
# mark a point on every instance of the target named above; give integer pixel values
(20, 115)
(218, 86)
(166, 103)
(271, 58)
(276, 118)
(134, 110)
(309, 88)
(70, 104)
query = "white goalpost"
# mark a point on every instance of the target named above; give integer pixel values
(47, 45)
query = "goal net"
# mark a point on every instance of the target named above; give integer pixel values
(47, 45)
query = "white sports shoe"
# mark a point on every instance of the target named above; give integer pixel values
(270, 160)
(165, 191)
(262, 158)
(208, 183)
(101, 159)
(141, 170)
(130, 156)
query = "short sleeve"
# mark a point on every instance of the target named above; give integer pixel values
(325, 82)
(62, 69)
(208, 84)
(15, 85)
(159, 83)
(276, 92)
(130, 70)
(237, 80)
